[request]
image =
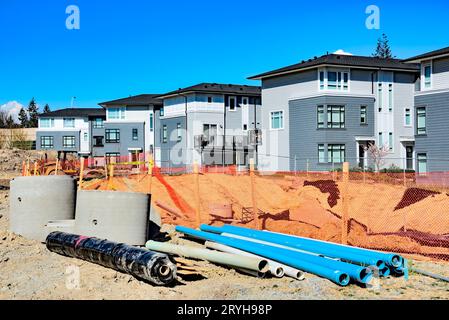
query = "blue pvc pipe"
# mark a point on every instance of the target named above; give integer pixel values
(334, 250)
(336, 271)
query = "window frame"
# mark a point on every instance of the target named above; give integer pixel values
(418, 161)
(380, 93)
(51, 122)
(330, 154)
(342, 79)
(108, 133)
(322, 147)
(234, 109)
(364, 115)
(95, 123)
(64, 123)
(410, 117)
(390, 97)
(329, 111)
(321, 110)
(281, 112)
(178, 131)
(71, 145)
(151, 121)
(49, 146)
(426, 65)
(418, 133)
(164, 134)
(121, 113)
(391, 141)
(135, 134)
(95, 139)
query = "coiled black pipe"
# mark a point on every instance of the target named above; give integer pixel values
(141, 263)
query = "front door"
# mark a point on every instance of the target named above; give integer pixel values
(409, 157)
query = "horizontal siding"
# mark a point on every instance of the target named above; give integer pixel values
(441, 74)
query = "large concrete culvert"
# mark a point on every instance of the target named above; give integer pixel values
(117, 216)
(38, 199)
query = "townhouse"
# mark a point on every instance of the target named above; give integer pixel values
(72, 130)
(431, 100)
(327, 110)
(210, 123)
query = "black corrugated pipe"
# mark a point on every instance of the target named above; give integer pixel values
(144, 264)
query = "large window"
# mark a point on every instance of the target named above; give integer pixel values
(320, 117)
(427, 76)
(422, 163)
(98, 123)
(336, 153)
(335, 117)
(408, 117)
(47, 122)
(68, 142)
(47, 142)
(112, 135)
(116, 113)
(69, 122)
(277, 120)
(135, 134)
(334, 80)
(363, 115)
(164, 134)
(321, 157)
(421, 120)
(98, 141)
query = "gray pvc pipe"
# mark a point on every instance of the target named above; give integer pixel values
(224, 258)
(275, 267)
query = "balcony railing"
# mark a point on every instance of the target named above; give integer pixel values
(253, 138)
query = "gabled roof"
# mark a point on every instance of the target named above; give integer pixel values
(342, 60)
(75, 112)
(433, 54)
(139, 100)
(216, 88)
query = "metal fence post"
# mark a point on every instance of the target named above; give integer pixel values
(345, 204)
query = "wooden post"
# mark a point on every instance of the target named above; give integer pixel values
(253, 194)
(35, 168)
(23, 168)
(57, 164)
(80, 185)
(28, 168)
(197, 193)
(111, 176)
(345, 204)
(105, 167)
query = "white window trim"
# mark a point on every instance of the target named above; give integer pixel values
(121, 114)
(235, 104)
(423, 75)
(271, 120)
(411, 117)
(326, 89)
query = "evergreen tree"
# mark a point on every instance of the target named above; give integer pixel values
(33, 111)
(10, 122)
(23, 118)
(46, 109)
(383, 49)
(3, 117)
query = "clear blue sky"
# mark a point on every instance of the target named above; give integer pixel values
(146, 46)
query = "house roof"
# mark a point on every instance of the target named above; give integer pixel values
(139, 100)
(75, 112)
(437, 53)
(342, 60)
(216, 88)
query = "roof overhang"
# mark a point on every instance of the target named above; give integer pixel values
(419, 59)
(359, 139)
(176, 94)
(407, 139)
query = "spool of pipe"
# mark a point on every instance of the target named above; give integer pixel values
(228, 259)
(140, 263)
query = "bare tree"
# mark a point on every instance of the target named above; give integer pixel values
(378, 154)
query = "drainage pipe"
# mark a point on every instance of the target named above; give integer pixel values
(309, 263)
(138, 262)
(228, 259)
(363, 256)
(276, 269)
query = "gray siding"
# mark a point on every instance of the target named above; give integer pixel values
(94, 132)
(173, 152)
(441, 73)
(58, 140)
(126, 139)
(304, 136)
(436, 142)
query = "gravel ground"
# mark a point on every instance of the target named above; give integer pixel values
(29, 271)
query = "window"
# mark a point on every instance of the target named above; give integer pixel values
(47, 142)
(363, 115)
(277, 120)
(112, 157)
(135, 134)
(151, 122)
(209, 99)
(390, 97)
(390, 141)
(86, 137)
(408, 117)
(178, 130)
(336, 80)
(164, 134)
(335, 117)
(232, 103)
(116, 113)
(332, 80)
(69, 122)
(336, 153)
(321, 158)
(162, 112)
(321, 80)
(421, 120)
(112, 135)
(422, 163)
(98, 141)
(210, 132)
(98, 123)
(245, 101)
(428, 76)
(68, 142)
(47, 122)
(379, 98)
(381, 140)
(320, 117)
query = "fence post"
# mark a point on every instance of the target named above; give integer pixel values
(196, 175)
(307, 168)
(80, 185)
(296, 168)
(253, 194)
(405, 177)
(35, 168)
(345, 204)
(57, 165)
(105, 167)
(150, 171)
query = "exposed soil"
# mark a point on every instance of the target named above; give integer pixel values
(326, 186)
(414, 195)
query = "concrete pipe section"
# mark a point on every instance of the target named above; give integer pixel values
(117, 216)
(36, 200)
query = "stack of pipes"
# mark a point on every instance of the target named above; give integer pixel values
(291, 255)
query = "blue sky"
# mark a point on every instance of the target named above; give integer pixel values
(146, 46)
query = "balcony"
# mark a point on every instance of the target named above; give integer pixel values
(253, 138)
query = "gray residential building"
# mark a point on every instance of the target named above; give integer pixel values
(210, 123)
(432, 112)
(327, 110)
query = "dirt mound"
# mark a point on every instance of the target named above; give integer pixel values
(326, 186)
(414, 195)
(11, 161)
